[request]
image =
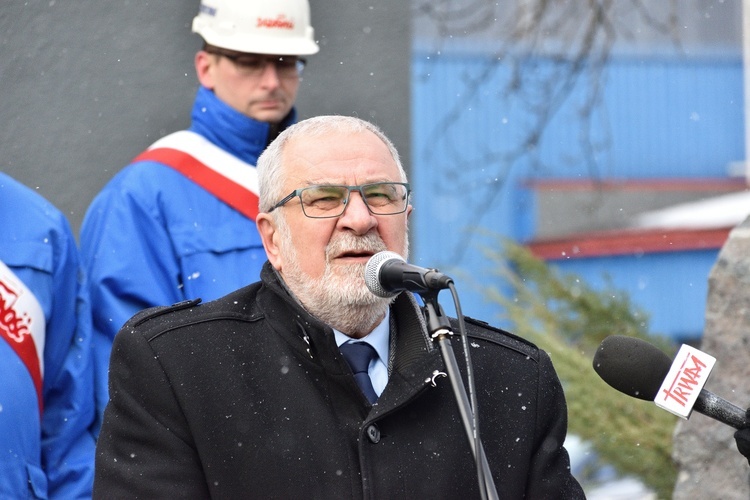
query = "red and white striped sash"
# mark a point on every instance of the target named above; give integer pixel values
(225, 176)
(22, 326)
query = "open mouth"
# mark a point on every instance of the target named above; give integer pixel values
(355, 254)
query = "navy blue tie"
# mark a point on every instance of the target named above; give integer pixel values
(359, 355)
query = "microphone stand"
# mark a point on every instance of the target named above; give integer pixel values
(438, 326)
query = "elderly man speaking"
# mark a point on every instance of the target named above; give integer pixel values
(254, 395)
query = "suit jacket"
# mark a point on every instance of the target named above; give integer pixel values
(248, 396)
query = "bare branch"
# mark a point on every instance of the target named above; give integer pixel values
(545, 53)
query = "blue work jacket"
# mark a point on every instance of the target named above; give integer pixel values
(47, 453)
(153, 237)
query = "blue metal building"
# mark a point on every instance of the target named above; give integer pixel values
(659, 124)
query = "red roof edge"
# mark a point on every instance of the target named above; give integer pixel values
(628, 242)
(672, 184)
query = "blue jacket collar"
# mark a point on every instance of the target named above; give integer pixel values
(229, 129)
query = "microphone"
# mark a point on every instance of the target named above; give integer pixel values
(638, 369)
(387, 274)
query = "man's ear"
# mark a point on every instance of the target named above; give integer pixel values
(270, 237)
(205, 64)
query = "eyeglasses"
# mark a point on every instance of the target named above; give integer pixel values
(329, 201)
(254, 65)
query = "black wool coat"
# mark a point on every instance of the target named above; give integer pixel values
(248, 396)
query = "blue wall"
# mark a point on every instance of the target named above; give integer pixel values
(657, 118)
(671, 287)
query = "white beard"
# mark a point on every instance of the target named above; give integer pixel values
(340, 298)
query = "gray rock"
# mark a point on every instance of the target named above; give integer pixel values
(704, 449)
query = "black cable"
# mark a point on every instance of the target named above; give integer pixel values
(471, 389)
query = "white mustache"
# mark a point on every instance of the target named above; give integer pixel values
(370, 242)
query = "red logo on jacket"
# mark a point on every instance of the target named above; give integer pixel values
(13, 326)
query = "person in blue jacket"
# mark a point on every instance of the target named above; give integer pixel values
(47, 390)
(179, 222)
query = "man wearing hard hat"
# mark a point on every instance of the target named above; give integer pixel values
(178, 223)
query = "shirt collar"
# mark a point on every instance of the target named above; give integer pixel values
(379, 338)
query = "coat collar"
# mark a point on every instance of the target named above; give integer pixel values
(413, 355)
(231, 130)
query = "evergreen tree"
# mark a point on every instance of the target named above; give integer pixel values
(568, 318)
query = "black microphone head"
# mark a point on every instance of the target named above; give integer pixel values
(632, 366)
(372, 273)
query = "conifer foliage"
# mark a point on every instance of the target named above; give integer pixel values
(569, 318)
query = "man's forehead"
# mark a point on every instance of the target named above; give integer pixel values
(332, 147)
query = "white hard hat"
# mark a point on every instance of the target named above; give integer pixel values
(279, 27)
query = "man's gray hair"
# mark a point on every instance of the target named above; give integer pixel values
(270, 164)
